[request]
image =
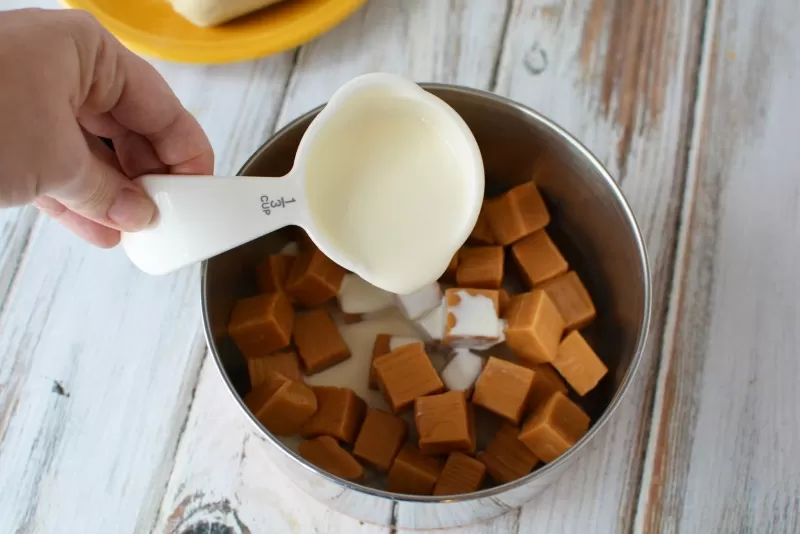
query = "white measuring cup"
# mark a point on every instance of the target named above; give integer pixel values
(202, 216)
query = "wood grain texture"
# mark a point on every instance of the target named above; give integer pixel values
(723, 453)
(440, 41)
(620, 76)
(15, 228)
(98, 362)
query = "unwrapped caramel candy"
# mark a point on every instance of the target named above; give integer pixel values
(380, 439)
(554, 427)
(461, 474)
(534, 327)
(572, 300)
(443, 423)
(482, 232)
(578, 363)
(405, 374)
(545, 382)
(285, 363)
(503, 300)
(339, 414)
(384, 344)
(472, 316)
(380, 348)
(503, 388)
(285, 411)
(506, 458)
(538, 258)
(314, 279)
(413, 473)
(516, 213)
(261, 393)
(326, 453)
(480, 267)
(272, 272)
(262, 324)
(318, 341)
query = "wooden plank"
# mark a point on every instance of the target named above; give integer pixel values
(448, 42)
(440, 41)
(723, 452)
(98, 362)
(620, 76)
(15, 228)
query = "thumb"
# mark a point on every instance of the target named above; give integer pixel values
(102, 193)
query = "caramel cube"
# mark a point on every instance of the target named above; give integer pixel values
(326, 453)
(286, 411)
(578, 363)
(261, 393)
(503, 301)
(545, 382)
(284, 363)
(538, 259)
(442, 423)
(516, 213)
(380, 348)
(272, 272)
(318, 341)
(461, 474)
(405, 374)
(339, 414)
(413, 473)
(503, 388)
(352, 318)
(480, 267)
(534, 327)
(473, 430)
(572, 300)
(384, 344)
(506, 458)
(380, 439)
(262, 324)
(471, 315)
(554, 428)
(314, 278)
(482, 232)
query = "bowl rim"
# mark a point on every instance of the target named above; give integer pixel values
(573, 451)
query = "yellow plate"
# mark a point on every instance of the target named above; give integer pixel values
(152, 28)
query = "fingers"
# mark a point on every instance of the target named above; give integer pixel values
(129, 90)
(90, 231)
(100, 192)
(136, 155)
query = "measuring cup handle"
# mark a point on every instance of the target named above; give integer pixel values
(202, 216)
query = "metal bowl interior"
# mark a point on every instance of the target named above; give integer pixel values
(592, 224)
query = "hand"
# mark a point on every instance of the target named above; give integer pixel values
(66, 81)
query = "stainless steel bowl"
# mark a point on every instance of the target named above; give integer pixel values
(592, 224)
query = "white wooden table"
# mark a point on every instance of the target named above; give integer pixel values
(112, 418)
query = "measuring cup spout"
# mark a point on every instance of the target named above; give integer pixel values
(202, 216)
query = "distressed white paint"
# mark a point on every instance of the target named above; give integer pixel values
(722, 455)
(598, 493)
(15, 227)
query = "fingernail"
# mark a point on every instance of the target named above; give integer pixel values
(131, 210)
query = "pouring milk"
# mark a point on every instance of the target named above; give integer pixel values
(387, 182)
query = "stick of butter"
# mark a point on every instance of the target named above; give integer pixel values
(207, 13)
